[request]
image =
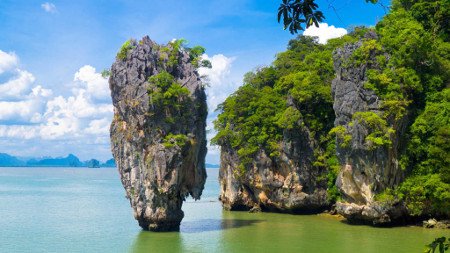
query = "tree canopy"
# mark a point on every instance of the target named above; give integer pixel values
(410, 74)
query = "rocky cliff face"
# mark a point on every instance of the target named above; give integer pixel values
(288, 183)
(158, 132)
(366, 169)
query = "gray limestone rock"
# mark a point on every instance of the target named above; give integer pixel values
(375, 213)
(158, 170)
(288, 183)
(433, 223)
(366, 170)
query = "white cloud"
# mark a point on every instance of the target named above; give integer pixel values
(29, 111)
(25, 111)
(210, 133)
(87, 111)
(20, 112)
(96, 85)
(325, 32)
(18, 86)
(219, 88)
(99, 126)
(8, 61)
(75, 116)
(18, 132)
(49, 7)
(220, 68)
(39, 91)
(20, 102)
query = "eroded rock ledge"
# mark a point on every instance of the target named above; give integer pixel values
(288, 183)
(158, 133)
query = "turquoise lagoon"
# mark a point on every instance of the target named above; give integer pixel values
(85, 210)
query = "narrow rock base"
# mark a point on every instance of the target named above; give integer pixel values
(165, 226)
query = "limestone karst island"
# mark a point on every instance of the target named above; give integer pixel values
(225, 126)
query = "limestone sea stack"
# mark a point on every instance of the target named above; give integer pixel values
(158, 136)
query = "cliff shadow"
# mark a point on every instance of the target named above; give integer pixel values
(208, 225)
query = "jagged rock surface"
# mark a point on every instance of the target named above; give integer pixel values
(288, 183)
(365, 171)
(157, 177)
(374, 213)
(433, 223)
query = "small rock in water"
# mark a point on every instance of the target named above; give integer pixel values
(433, 223)
(255, 209)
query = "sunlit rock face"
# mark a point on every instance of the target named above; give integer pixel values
(159, 147)
(365, 169)
(288, 183)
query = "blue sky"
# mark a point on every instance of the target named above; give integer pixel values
(53, 100)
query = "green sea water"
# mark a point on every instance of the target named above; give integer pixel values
(85, 210)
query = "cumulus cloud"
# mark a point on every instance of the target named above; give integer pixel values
(17, 86)
(96, 85)
(20, 112)
(8, 61)
(18, 132)
(219, 88)
(216, 77)
(75, 116)
(49, 7)
(30, 111)
(213, 151)
(324, 32)
(20, 102)
(81, 113)
(99, 126)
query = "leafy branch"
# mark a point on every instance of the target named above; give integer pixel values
(440, 243)
(295, 13)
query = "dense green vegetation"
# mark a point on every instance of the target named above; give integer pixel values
(172, 140)
(409, 69)
(427, 190)
(414, 83)
(122, 54)
(255, 117)
(106, 73)
(167, 97)
(410, 72)
(195, 54)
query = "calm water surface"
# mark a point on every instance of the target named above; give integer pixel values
(85, 210)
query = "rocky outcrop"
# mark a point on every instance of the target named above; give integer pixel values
(366, 169)
(375, 213)
(159, 146)
(433, 223)
(288, 183)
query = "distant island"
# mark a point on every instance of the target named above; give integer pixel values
(71, 160)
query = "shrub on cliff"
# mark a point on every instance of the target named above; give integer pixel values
(256, 115)
(408, 69)
(122, 54)
(411, 81)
